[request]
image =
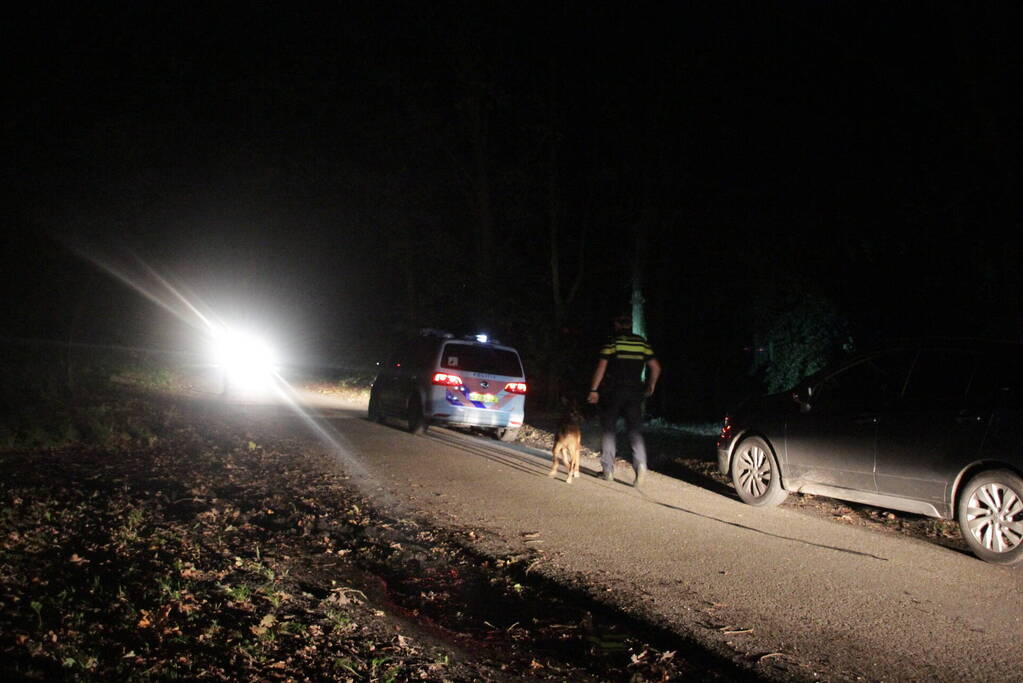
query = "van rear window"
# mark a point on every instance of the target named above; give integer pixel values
(484, 359)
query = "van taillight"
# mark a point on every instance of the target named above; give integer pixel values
(515, 387)
(444, 379)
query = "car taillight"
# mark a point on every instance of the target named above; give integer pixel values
(447, 380)
(515, 387)
(726, 430)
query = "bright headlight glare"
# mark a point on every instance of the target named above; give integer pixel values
(238, 351)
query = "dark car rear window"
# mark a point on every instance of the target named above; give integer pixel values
(999, 381)
(478, 358)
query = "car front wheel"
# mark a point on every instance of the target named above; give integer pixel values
(755, 474)
(990, 516)
(373, 410)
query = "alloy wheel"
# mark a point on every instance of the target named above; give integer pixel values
(995, 517)
(754, 471)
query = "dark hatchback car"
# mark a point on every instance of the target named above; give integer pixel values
(931, 427)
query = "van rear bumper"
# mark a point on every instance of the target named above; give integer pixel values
(477, 417)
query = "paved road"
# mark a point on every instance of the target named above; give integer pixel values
(792, 595)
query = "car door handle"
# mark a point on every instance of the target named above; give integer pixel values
(964, 419)
(865, 419)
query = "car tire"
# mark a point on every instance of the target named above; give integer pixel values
(990, 516)
(373, 410)
(417, 422)
(506, 434)
(755, 473)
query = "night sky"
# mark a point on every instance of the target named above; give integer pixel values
(340, 174)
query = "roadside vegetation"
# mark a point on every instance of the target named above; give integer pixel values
(49, 398)
(344, 383)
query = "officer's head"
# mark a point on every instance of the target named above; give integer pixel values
(622, 323)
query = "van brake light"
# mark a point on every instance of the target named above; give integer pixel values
(515, 387)
(447, 380)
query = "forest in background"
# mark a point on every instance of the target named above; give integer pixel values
(781, 187)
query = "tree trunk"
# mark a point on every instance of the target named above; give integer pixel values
(560, 299)
(483, 202)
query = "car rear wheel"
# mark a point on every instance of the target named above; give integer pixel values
(506, 434)
(755, 473)
(417, 422)
(990, 516)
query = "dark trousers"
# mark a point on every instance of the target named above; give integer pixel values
(628, 404)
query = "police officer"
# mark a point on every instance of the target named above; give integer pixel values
(620, 369)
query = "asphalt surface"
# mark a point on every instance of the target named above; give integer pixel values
(788, 595)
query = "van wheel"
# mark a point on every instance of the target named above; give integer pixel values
(506, 434)
(755, 474)
(990, 516)
(417, 422)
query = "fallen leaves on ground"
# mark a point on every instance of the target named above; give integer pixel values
(231, 548)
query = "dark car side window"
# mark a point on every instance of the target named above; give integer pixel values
(414, 355)
(940, 377)
(872, 382)
(400, 357)
(426, 353)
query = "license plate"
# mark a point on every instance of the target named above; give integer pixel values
(482, 398)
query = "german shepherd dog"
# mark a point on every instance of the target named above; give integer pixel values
(568, 441)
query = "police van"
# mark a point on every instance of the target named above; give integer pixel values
(436, 378)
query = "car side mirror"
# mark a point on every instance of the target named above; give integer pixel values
(802, 396)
